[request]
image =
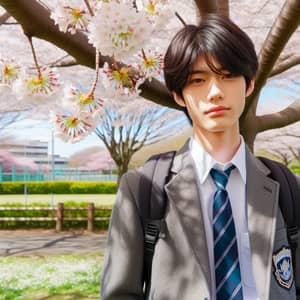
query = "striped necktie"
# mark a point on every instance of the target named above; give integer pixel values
(227, 267)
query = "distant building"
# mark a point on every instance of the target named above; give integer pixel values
(36, 151)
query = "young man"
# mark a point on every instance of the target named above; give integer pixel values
(224, 229)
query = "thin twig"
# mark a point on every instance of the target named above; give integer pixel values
(93, 87)
(34, 56)
(89, 7)
(180, 18)
(144, 55)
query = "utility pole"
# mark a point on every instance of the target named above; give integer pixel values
(52, 164)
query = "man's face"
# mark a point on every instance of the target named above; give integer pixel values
(214, 102)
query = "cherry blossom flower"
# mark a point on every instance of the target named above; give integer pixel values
(71, 15)
(120, 81)
(158, 11)
(38, 89)
(84, 101)
(73, 126)
(118, 29)
(9, 71)
(151, 63)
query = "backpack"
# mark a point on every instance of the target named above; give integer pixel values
(153, 199)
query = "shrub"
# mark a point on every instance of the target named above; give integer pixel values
(295, 169)
(59, 187)
(93, 188)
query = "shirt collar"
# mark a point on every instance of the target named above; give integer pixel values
(205, 162)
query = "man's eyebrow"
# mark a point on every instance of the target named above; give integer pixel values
(198, 72)
(220, 70)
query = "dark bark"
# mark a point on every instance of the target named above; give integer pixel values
(284, 26)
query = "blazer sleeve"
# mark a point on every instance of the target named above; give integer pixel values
(123, 261)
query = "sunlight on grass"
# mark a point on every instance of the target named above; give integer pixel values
(50, 277)
(99, 200)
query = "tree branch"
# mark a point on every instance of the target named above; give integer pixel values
(279, 119)
(64, 61)
(223, 7)
(4, 18)
(213, 6)
(35, 21)
(206, 6)
(284, 26)
(285, 64)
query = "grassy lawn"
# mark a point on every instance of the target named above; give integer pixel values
(99, 199)
(55, 277)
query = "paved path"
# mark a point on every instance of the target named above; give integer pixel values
(25, 243)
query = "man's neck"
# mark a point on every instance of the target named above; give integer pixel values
(222, 146)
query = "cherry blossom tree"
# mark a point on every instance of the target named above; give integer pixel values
(99, 161)
(126, 128)
(8, 161)
(282, 143)
(118, 37)
(92, 159)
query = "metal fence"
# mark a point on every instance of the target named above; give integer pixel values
(57, 175)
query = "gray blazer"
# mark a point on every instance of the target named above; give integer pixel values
(180, 269)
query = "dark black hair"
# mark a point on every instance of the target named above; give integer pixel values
(216, 38)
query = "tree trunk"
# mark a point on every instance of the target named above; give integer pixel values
(249, 128)
(223, 7)
(122, 169)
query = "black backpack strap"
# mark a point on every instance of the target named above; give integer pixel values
(289, 201)
(152, 205)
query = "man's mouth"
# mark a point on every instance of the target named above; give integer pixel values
(216, 109)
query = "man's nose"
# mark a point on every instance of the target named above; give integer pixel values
(215, 92)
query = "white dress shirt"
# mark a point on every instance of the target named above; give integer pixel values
(236, 188)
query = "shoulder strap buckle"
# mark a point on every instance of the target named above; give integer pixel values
(154, 229)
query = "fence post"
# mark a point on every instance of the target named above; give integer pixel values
(91, 213)
(59, 216)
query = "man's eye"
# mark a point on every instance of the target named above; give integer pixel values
(197, 80)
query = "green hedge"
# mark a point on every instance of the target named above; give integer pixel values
(103, 225)
(295, 169)
(59, 187)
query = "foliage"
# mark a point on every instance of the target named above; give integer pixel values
(295, 169)
(25, 277)
(59, 187)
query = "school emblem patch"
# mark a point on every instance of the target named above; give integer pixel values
(283, 273)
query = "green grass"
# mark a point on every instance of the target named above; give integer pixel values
(51, 277)
(99, 200)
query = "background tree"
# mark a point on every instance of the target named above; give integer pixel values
(92, 159)
(126, 128)
(272, 25)
(281, 144)
(8, 161)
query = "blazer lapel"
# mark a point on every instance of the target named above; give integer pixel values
(182, 191)
(262, 203)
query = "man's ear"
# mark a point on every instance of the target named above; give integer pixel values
(178, 99)
(250, 87)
